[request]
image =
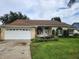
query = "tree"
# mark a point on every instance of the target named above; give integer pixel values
(71, 2)
(56, 19)
(12, 16)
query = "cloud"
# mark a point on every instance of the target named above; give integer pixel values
(42, 9)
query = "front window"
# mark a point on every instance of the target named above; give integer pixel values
(59, 31)
(70, 31)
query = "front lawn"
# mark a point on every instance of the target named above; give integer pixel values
(65, 48)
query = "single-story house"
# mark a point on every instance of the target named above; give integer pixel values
(29, 29)
(76, 28)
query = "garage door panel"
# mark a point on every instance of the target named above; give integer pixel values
(17, 35)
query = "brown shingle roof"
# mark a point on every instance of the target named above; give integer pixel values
(22, 22)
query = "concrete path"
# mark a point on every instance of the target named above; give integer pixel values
(12, 49)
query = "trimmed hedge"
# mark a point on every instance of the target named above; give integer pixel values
(44, 39)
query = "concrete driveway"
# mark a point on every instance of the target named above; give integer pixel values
(15, 49)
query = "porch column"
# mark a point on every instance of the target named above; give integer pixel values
(43, 30)
(50, 31)
(33, 33)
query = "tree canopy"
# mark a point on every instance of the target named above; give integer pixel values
(71, 2)
(56, 19)
(12, 16)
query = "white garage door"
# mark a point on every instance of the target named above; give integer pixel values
(18, 34)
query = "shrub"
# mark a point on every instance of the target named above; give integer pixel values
(76, 35)
(34, 40)
(44, 39)
(55, 38)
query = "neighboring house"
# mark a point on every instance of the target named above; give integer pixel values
(29, 29)
(76, 26)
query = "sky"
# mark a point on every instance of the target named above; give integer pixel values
(42, 9)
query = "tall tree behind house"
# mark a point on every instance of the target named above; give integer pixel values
(12, 16)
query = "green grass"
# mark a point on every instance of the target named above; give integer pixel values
(65, 48)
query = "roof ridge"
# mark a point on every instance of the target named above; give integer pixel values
(26, 22)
